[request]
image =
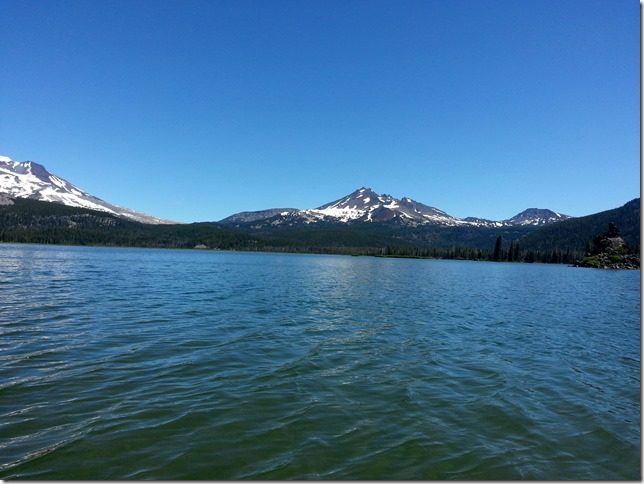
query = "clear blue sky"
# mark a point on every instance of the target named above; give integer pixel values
(192, 110)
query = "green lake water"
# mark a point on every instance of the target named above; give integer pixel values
(160, 364)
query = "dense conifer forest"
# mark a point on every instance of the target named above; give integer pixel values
(31, 221)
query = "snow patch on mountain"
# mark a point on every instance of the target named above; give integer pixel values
(365, 205)
(536, 216)
(32, 180)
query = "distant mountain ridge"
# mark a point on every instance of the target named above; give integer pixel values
(25, 220)
(365, 205)
(32, 180)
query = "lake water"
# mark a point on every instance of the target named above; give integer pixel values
(162, 364)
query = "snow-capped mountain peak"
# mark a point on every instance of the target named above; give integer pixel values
(32, 180)
(365, 205)
(354, 206)
(368, 206)
(536, 216)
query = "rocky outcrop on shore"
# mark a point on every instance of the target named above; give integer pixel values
(610, 251)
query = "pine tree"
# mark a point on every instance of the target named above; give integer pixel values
(497, 250)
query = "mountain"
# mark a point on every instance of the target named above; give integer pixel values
(364, 206)
(577, 233)
(536, 216)
(31, 180)
(25, 220)
(244, 217)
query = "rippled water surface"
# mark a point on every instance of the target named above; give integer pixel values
(159, 364)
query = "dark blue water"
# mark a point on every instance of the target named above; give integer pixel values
(159, 364)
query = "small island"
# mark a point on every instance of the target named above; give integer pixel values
(610, 251)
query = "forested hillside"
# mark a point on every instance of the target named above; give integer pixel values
(576, 234)
(31, 221)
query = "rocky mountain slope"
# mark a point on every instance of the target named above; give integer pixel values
(365, 205)
(31, 180)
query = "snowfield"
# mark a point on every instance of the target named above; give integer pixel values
(31, 180)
